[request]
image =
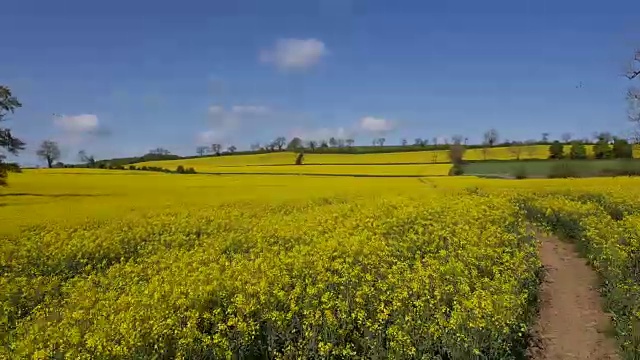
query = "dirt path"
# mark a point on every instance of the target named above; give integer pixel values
(572, 324)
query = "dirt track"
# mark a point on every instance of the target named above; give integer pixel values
(572, 324)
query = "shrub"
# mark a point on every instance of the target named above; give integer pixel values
(556, 150)
(132, 167)
(602, 150)
(456, 170)
(190, 171)
(520, 172)
(299, 159)
(180, 169)
(578, 151)
(622, 149)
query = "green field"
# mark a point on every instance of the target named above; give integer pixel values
(583, 168)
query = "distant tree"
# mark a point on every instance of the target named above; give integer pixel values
(323, 144)
(456, 154)
(622, 149)
(633, 95)
(333, 142)
(434, 141)
(516, 148)
(58, 165)
(255, 146)
(216, 149)
(566, 137)
(404, 142)
(457, 139)
(556, 150)
(313, 145)
(49, 151)
(425, 142)
(231, 149)
(8, 105)
(294, 144)
(159, 151)
(604, 136)
(349, 142)
(381, 141)
(491, 137)
(545, 137)
(577, 151)
(280, 142)
(417, 142)
(88, 160)
(602, 149)
(201, 150)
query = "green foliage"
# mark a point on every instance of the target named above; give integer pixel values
(578, 150)
(622, 149)
(602, 150)
(556, 150)
(520, 172)
(456, 170)
(8, 105)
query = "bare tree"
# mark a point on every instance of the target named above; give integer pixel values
(312, 145)
(349, 142)
(545, 137)
(201, 150)
(404, 142)
(333, 142)
(255, 146)
(456, 153)
(88, 160)
(515, 148)
(633, 95)
(280, 142)
(418, 142)
(49, 151)
(566, 137)
(457, 139)
(216, 148)
(435, 141)
(231, 149)
(159, 151)
(491, 137)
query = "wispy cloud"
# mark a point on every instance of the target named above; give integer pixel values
(291, 54)
(377, 125)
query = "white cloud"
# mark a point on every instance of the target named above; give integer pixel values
(83, 123)
(225, 121)
(209, 137)
(295, 53)
(322, 133)
(376, 125)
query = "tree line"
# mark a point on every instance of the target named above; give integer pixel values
(603, 146)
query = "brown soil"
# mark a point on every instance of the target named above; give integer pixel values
(572, 324)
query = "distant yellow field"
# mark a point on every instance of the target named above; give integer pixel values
(214, 164)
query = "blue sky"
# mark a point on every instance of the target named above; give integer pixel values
(128, 76)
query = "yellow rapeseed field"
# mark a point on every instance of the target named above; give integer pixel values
(126, 264)
(264, 162)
